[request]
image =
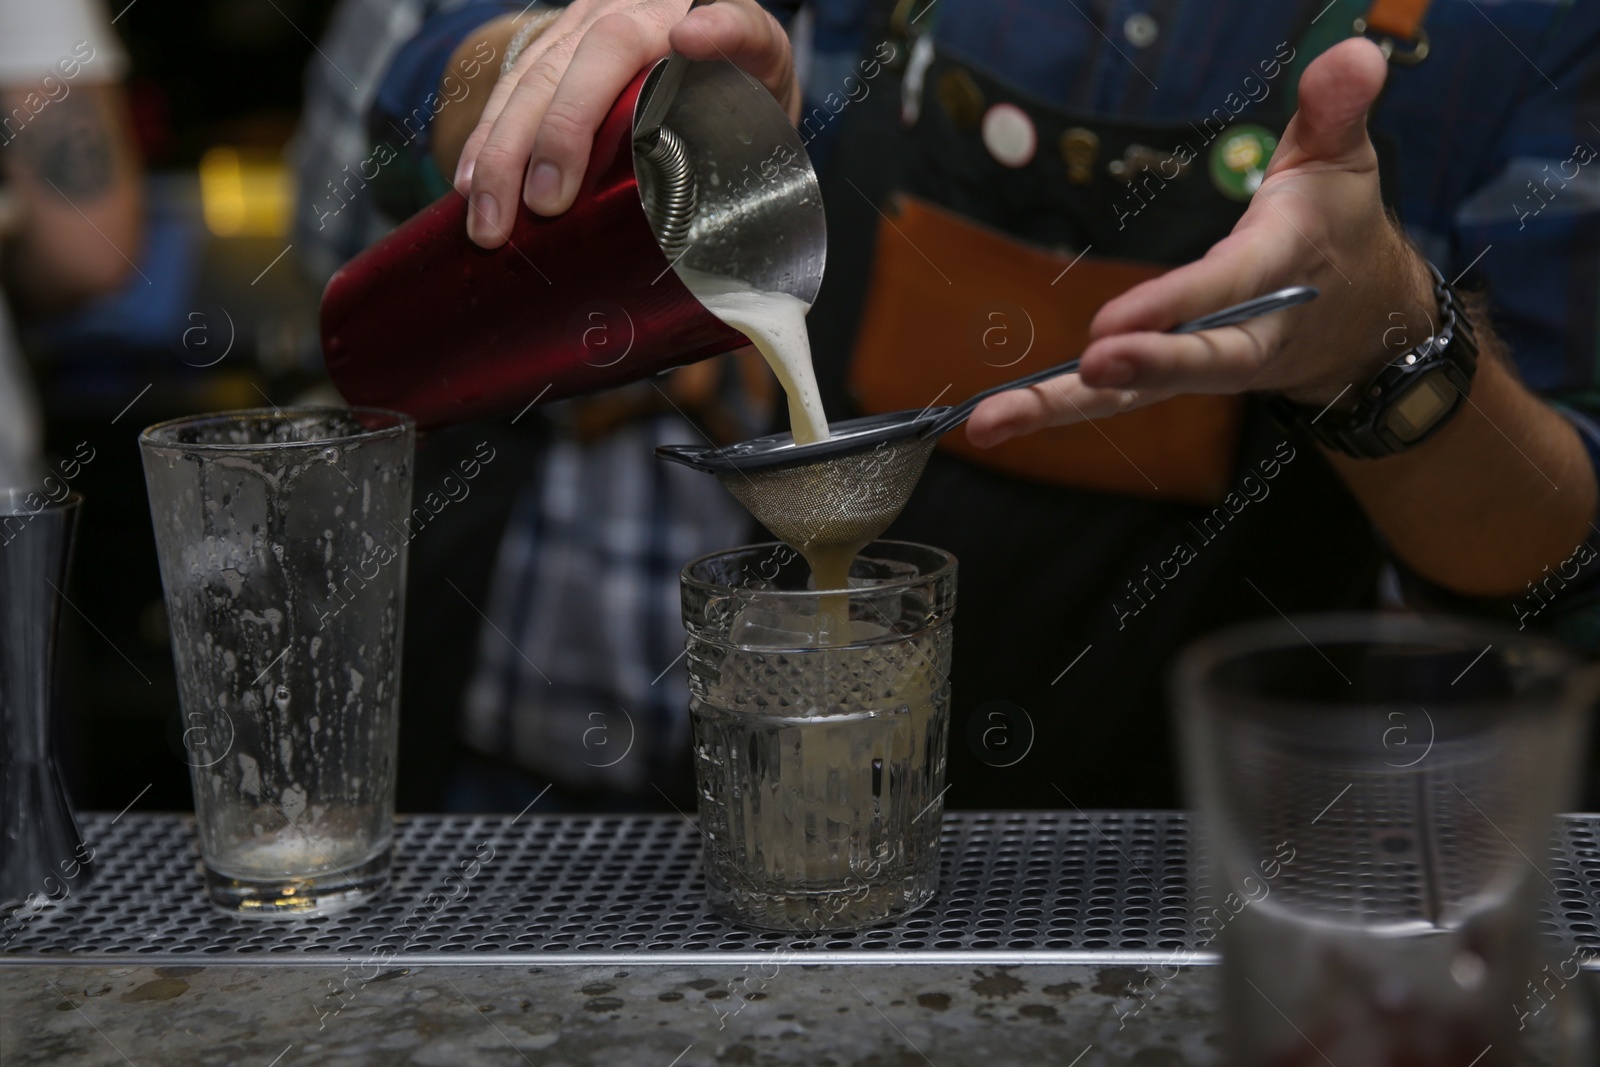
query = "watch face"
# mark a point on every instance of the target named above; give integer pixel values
(1421, 407)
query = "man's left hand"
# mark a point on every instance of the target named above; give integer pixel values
(1317, 219)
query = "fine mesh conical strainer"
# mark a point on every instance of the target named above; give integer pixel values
(847, 489)
(845, 500)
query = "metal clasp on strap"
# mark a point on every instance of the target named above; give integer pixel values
(907, 13)
(1395, 26)
(1394, 50)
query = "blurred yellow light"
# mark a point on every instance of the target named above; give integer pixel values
(244, 194)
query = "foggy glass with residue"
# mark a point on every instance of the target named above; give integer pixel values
(282, 539)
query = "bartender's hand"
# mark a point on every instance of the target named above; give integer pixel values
(537, 127)
(1502, 493)
(1317, 219)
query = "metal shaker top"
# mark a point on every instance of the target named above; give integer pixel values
(727, 185)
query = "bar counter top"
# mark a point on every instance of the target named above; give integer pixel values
(1057, 937)
(895, 1015)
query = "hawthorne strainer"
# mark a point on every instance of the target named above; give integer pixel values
(847, 490)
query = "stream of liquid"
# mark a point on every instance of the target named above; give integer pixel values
(776, 325)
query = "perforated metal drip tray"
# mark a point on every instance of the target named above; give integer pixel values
(1028, 887)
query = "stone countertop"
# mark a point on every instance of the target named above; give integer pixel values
(888, 1015)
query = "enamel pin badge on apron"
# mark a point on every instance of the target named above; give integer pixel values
(961, 98)
(1239, 160)
(1009, 135)
(1080, 147)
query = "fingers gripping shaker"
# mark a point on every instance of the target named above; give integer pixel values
(428, 323)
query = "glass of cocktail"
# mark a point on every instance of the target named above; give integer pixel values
(820, 720)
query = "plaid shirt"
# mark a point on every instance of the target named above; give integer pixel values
(355, 60)
(580, 672)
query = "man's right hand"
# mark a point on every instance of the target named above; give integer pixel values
(537, 128)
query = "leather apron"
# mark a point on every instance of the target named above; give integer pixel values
(1089, 554)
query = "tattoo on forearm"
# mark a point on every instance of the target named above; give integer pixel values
(69, 147)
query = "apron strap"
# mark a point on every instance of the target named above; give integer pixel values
(1399, 19)
(1389, 22)
(911, 18)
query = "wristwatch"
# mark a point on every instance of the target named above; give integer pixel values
(1411, 398)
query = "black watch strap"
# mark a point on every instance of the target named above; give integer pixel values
(1410, 399)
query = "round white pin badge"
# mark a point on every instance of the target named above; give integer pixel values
(1009, 135)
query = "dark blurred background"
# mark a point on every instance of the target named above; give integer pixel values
(215, 87)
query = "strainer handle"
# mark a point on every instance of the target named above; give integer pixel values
(960, 413)
(1231, 316)
(688, 455)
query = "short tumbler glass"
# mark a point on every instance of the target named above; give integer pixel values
(282, 540)
(1376, 796)
(820, 763)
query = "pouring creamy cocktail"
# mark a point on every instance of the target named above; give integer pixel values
(776, 325)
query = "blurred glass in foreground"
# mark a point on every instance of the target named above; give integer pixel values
(1376, 797)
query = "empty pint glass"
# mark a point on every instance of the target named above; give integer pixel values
(282, 537)
(1377, 797)
(820, 748)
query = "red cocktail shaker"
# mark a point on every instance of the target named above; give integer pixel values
(428, 323)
